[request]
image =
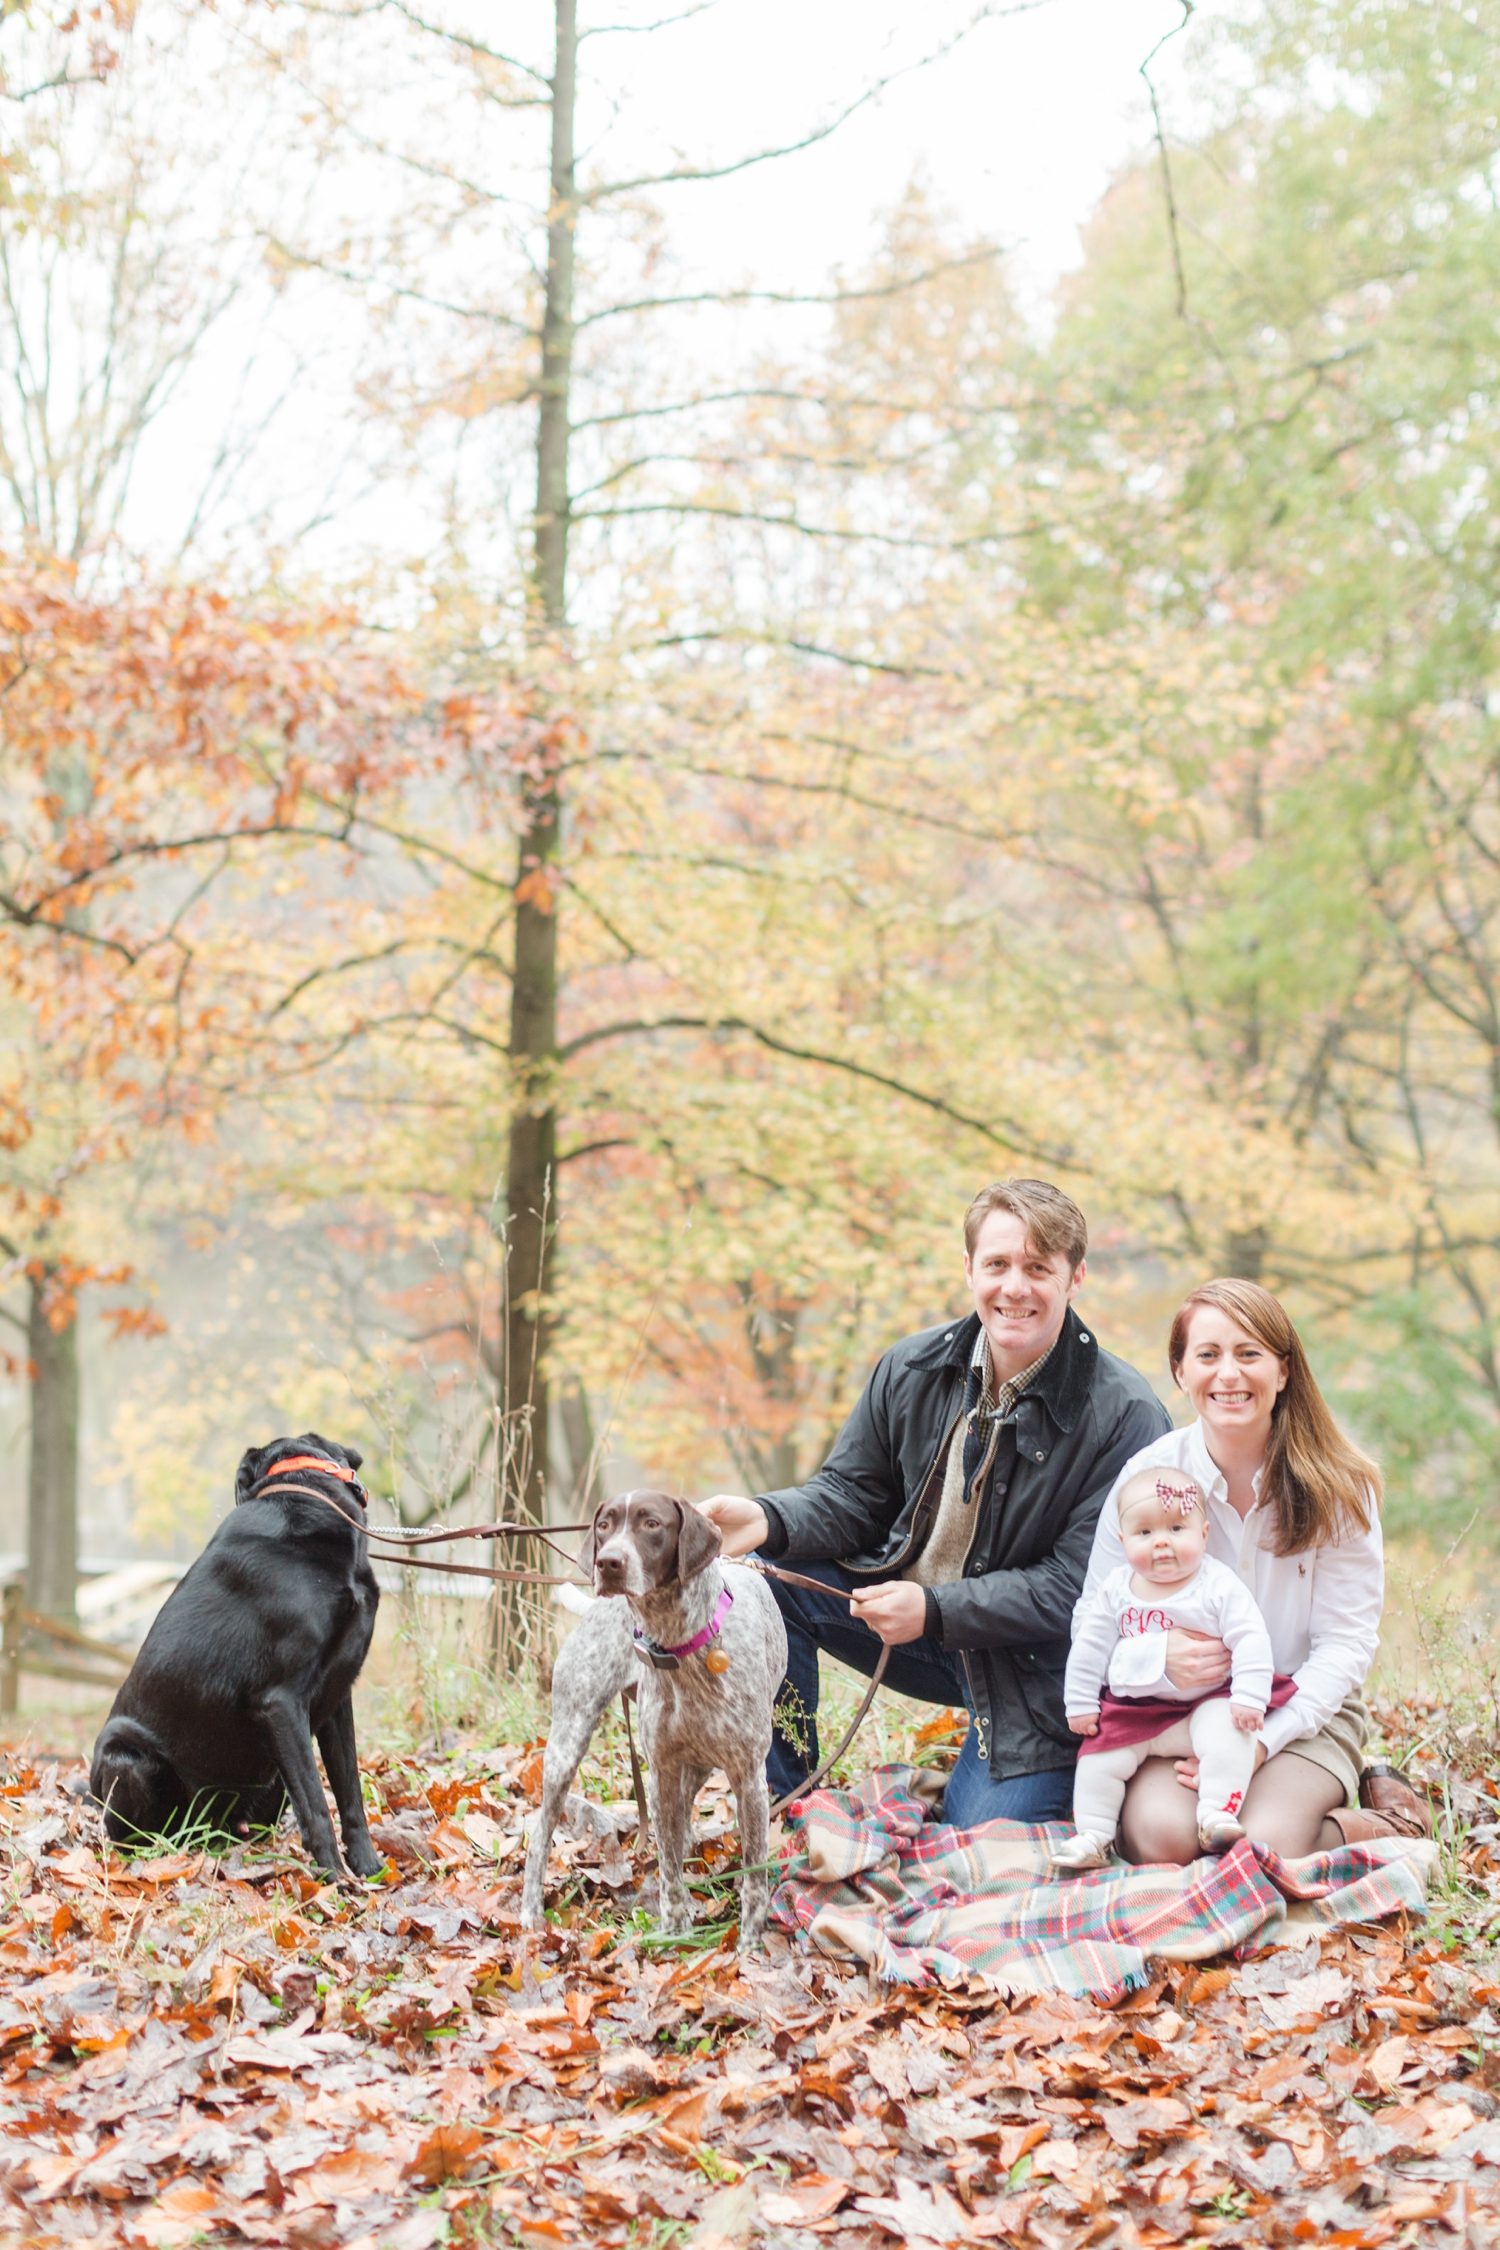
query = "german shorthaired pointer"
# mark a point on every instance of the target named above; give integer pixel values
(705, 1647)
(253, 1655)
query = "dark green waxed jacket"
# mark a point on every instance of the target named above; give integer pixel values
(1007, 1621)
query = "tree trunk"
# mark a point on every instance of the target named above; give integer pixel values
(52, 1515)
(772, 1331)
(578, 1437)
(531, 1187)
(531, 1176)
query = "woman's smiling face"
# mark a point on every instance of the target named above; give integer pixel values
(1230, 1378)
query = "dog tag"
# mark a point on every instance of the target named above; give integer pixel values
(716, 1661)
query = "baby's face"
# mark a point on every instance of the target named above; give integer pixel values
(1161, 1543)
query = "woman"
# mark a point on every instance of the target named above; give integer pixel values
(1294, 1510)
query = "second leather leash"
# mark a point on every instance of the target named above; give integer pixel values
(540, 1578)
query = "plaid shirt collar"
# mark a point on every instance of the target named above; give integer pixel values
(992, 1405)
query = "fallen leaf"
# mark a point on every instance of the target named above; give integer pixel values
(446, 2154)
(1388, 2060)
(224, 1982)
(887, 2066)
(178, 2215)
(1128, 2122)
(680, 2122)
(813, 2197)
(354, 2173)
(1308, 1999)
(727, 2220)
(917, 2214)
(1015, 2140)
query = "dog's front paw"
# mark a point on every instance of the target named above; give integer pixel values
(364, 1860)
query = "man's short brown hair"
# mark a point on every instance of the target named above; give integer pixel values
(1053, 1222)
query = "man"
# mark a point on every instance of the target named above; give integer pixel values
(959, 1505)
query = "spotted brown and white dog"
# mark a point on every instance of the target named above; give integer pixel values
(703, 1643)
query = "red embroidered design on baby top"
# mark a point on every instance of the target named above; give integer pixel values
(1133, 1621)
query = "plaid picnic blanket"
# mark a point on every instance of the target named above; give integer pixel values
(919, 1902)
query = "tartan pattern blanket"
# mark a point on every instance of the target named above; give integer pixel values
(917, 1902)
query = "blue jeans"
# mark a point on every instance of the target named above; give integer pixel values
(920, 1669)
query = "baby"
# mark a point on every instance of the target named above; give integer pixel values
(1169, 1579)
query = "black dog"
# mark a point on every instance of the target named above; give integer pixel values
(254, 1653)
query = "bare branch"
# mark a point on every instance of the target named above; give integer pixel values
(802, 648)
(310, 264)
(683, 174)
(793, 296)
(1014, 1139)
(662, 23)
(460, 39)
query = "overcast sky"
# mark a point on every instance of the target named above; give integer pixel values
(1016, 129)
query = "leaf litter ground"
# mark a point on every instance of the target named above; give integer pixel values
(228, 2049)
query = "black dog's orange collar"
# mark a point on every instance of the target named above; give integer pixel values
(312, 1461)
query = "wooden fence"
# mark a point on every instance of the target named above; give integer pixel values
(45, 1645)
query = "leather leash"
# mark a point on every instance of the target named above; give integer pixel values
(817, 1586)
(540, 1578)
(451, 1570)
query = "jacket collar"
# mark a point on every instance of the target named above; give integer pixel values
(1064, 1383)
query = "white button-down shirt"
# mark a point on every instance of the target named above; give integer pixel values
(1322, 1608)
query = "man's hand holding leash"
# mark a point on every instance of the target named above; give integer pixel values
(895, 1611)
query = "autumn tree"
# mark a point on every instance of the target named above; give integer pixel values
(152, 744)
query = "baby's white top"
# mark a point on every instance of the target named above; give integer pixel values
(1212, 1601)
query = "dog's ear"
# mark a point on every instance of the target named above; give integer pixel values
(698, 1541)
(348, 1455)
(252, 1468)
(588, 1552)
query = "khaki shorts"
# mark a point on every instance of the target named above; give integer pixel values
(1338, 1747)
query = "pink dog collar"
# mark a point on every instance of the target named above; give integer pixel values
(667, 1659)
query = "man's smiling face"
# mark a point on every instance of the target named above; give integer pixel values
(1020, 1293)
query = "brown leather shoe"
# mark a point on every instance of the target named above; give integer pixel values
(1357, 1826)
(1385, 1792)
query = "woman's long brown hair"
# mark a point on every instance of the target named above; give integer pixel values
(1320, 1486)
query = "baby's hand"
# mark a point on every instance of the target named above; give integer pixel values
(1086, 1723)
(1248, 1721)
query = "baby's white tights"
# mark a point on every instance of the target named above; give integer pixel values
(1225, 1755)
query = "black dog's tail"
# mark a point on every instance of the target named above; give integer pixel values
(134, 1783)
